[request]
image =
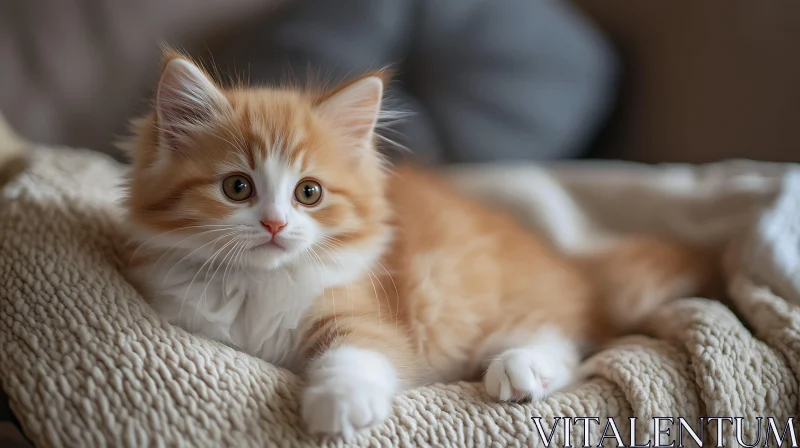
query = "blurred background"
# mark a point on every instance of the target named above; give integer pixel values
(486, 80)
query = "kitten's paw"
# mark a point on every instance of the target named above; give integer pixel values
(519, 374)
(349, 389)
(343, 406)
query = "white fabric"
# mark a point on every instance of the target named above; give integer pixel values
(86, 362)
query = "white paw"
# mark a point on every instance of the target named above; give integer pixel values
(524, 373)
(348, 389)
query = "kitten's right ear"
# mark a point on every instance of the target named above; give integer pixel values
(186, 99)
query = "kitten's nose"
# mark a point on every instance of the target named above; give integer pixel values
(273, 227)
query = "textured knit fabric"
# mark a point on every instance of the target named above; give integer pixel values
(86, 363)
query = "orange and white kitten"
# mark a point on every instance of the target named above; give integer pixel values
(266, 219)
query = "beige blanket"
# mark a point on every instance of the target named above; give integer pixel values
(86, 363)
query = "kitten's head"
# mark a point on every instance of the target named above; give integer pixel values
(258, 175)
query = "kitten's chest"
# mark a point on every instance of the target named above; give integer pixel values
(258, 313)
(268, 322)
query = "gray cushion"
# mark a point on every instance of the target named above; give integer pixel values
(486, 79)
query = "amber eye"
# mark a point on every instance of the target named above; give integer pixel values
(308, 192)
(237, 187)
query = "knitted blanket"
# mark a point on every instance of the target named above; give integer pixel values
(86, 363)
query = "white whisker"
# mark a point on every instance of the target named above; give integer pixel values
(188, 288)
(195, 250)
(167, 232)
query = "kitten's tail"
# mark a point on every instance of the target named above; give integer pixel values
(640, 274)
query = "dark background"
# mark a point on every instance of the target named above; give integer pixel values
(696, 81)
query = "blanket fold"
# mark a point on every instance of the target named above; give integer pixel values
(86, 363)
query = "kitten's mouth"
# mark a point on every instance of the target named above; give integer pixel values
(272, 244)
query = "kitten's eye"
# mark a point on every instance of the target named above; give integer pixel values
(308, 192)
(237, 187)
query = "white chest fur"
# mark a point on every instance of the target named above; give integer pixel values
(257, 312)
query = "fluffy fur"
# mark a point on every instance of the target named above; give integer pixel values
(391, 280)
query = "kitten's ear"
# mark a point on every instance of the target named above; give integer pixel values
(354, 109)
(186, 98)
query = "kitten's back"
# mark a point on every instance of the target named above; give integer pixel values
(456, 260)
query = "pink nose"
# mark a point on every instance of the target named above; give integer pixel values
(273, 227)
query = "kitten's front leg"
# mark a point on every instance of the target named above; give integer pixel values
(349, 388)
(362, 364)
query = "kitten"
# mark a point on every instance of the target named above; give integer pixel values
(266, 219)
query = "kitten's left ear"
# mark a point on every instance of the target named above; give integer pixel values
(354, 109)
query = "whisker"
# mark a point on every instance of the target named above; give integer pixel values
(334, 240)
(208, 282)
(333, 293)
(307, 255)
(183, 301)
(237, 249)
(347, 284)
(192, 252)
(370, 276)
(185, 294)
(169, 231)
(396, 292)
(176, 246)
